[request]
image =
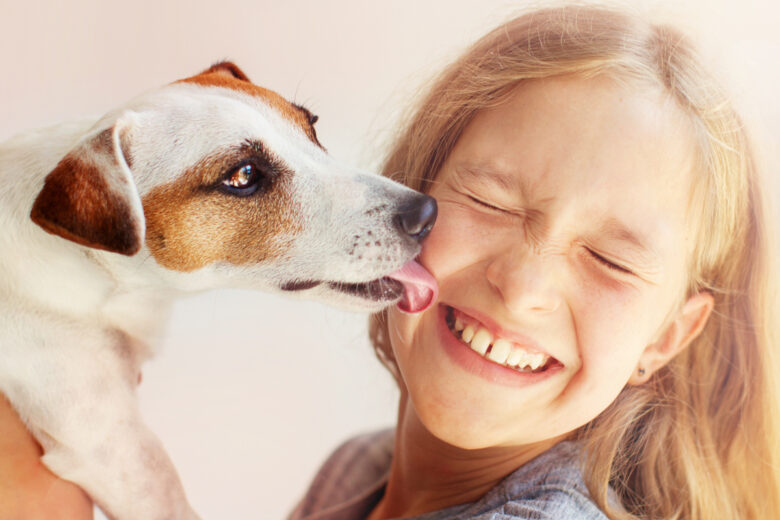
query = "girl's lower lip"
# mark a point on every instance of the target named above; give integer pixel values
(475, 364)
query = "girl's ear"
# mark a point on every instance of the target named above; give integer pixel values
(683, 329)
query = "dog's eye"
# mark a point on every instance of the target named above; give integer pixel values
(243, 180)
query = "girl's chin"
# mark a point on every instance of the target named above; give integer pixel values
(464, 430)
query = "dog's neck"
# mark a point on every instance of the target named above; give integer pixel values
(134, 303)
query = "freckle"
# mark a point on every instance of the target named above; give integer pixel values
(377, 243)
(368, 243)
(360, 257)
(369, 233)
(357, 236)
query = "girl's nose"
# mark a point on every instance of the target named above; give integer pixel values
(525, 280)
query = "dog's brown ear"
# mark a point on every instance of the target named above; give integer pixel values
(90, 197)
(227, 68)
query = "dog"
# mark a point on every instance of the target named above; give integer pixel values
(207, 182)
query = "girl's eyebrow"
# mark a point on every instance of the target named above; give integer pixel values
(493, 177)
(490, 175)
(614, 229)
(643, 253)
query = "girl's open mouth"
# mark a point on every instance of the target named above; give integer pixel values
(505, 352)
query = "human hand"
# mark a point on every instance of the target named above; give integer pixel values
(28, 490)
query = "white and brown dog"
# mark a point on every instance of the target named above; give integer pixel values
(208, 182)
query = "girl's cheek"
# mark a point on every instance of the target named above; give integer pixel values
(614, 326)
(457, 239)
(439, 253)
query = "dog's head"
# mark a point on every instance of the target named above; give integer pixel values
(222, 181)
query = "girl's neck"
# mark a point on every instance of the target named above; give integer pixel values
(428, 474)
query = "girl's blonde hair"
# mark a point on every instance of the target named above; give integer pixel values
(700, 439)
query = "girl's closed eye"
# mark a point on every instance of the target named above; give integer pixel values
(485, 204)
(494, 204)
(609, 264)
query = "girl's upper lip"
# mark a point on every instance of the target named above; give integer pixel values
(498, 330)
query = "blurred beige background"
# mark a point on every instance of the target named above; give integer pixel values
(251, 392)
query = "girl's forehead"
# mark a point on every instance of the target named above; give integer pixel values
(595, 134)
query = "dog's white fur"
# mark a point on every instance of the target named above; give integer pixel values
(76, 322)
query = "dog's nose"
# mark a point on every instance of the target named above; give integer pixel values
(416, 217)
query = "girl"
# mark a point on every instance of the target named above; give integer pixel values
(602, 343)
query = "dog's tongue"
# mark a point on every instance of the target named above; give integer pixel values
(420, 288)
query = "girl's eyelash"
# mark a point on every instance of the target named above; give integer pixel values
(608, 264)
(485, 204)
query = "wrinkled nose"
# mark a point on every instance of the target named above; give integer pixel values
(416, 216)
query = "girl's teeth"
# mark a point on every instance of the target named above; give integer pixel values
(515, 358)
(500, 351)
(481, 341)
(537, 360)
(467, 334)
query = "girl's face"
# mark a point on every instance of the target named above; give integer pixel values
(562, 243)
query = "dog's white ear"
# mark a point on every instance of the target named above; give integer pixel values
(90, 196)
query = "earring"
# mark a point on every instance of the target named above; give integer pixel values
(641, 371)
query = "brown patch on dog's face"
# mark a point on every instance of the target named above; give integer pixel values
(227, 75)
(196, 220)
